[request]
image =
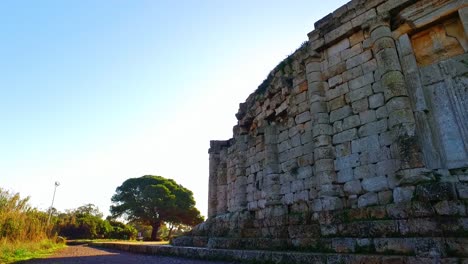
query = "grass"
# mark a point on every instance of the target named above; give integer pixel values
(11, 252)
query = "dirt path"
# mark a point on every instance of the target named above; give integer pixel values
(84, 254)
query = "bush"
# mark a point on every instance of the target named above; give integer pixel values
(20, 222)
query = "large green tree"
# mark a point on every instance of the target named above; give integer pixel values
(155, 200)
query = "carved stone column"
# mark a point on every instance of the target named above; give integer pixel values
(271, 166)
(401, 121)
(214, 163)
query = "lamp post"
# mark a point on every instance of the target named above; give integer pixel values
(52, 205)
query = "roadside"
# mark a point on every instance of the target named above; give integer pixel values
(85, 254)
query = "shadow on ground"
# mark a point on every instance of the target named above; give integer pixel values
(85, 254)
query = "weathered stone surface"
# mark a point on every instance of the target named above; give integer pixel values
(403, 194)
(368, 199)
(375, 184)
(355, 144)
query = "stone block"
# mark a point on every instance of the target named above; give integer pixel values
(337, 48)
(381, 112)
(373, 128)
(338, 32)
(343, 149)
(334, 81)
(377, 87)
(385, 197)
(450, 208)
(405, 46)
(340, 113)
(356, 38)
(344, 136)
(400, 117)
(369, 66)
(316, 87)
(351, 52)
(367, 116)
(361, 81)
(303, 117)
(336, 103)
(358, 59)
(376, 100)
(367, 43)
(399, 246)
(375, 184)
(365, 171)
(437, 191)
(294, 130)
(361, 19)
(322, 129)
(387, 59)
(337, 91)
(334, 70)
(351, 122)
(353, 187)
(322, 140)
(306, 159)
(323, 153)
(343, 245)
(365, 144)
(295, 140)
(360, 106)
(349, 161)
(314, 76)
(383, 43)
(398, 103)
(403, 194)
(393, 84)
(295, 152)
(324, 165)
(344, 175)
(368, 199)
(359, 93)
(284, 146)
(462, 189)
(388, 167)
(352, 73)
(306, 137)
(331, 203)
(313, 67)
(320, 118)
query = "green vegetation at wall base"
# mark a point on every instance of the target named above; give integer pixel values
(13, 252)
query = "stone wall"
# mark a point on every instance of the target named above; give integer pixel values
(357, 141)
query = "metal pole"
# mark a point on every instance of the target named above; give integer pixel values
(52, 205)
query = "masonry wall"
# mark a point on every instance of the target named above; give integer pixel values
(369, 114)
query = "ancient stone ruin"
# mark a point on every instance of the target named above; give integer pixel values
(357, 143)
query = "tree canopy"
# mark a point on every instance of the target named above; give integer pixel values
(154, 200)
(85, 222)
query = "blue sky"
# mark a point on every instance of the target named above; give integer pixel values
(95, 92)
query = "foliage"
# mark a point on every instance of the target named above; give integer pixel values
(155, 200)
(18, 221)
(165, 232)
(85, 222)
(23, 229)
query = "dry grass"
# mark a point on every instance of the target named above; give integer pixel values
(23, 229)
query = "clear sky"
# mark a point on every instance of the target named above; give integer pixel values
(95, 92)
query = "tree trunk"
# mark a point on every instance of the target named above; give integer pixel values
(154, 232)
(169, 236)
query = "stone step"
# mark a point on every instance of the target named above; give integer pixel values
(276, 257)
(416, 246)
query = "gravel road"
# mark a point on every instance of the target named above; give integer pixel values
(85, 254)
